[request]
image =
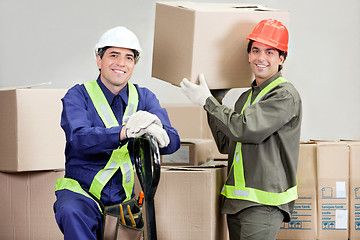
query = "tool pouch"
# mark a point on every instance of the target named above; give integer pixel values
(113, 223)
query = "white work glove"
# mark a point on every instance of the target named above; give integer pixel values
(196, 93)
(141, 120)
(159, 133)
(154, 130)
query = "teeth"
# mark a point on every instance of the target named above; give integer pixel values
(118, 71)
(262, 66)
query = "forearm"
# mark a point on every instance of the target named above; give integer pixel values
(257, 122)
(95, 140)
(221, 140)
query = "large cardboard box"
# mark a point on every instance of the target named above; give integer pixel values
(303, 223)
(26, 207)
(188, 202)
(191, 123)
(354, 229)
(31, 138)
(333, 190)
(192, 152)
(192, 38)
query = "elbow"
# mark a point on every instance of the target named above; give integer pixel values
(250, 137)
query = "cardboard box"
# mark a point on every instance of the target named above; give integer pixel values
(189, 120)
(192, 38)
(26, 207)
(31, 138)
(192, 152)
(188, 203)
(354, 229)
(191, 123)
(303, 223)
(333, 190)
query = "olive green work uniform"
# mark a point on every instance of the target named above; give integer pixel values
(269, 132)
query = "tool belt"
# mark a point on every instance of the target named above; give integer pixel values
(123, 221)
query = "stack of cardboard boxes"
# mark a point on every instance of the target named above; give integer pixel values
(31, 148)
(303, 222)
(328, 206)
(188, 204)
(328, 185)
(188, 200)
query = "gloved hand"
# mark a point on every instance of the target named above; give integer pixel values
(141, 120)
(159, 133)
(196, 93)
(154, 130)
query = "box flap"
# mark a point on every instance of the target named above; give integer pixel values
(351, 142)
(195, 140)
(25, 86)
(308, 142)
(191, 168)
(209, 7)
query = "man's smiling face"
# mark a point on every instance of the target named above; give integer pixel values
(264, 61)
(116, 65)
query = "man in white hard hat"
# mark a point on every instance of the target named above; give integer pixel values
(99, 119)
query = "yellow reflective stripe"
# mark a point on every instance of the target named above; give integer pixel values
(268, 88)
(247, 102)
(259, 196)
(262, 93)
(101, 104)
(239, 191)
(74, 186)
(127, 171)
(133, 100)
(104, 175)
(120, 158)
(238, 167)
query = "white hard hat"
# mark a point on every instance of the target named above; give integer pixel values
(119, 37)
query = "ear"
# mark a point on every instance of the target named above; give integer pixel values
(282, 59)
(98, 61)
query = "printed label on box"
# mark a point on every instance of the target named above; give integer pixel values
(341, 219)
(357, 209)
(340, 190)
(180, 156)
(334, 214)
(302, 218)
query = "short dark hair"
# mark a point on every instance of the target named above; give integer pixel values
(102, 51)
(281, 53)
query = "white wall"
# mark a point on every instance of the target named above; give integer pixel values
(46, 40)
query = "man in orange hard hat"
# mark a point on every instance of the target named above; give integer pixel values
(261, 137)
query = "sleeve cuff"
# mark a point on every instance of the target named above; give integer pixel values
(211, 104)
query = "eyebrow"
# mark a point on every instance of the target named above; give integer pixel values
(116, 52)
(266, 49)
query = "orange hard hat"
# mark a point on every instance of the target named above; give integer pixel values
(271, 32)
